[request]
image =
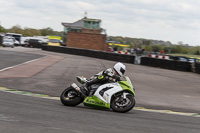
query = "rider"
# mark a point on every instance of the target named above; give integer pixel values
(107, 76)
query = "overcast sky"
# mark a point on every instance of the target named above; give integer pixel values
(168, 20)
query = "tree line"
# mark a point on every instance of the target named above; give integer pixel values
(31, 32)
(174, 49)
(156, 45)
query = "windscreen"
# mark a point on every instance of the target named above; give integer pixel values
(54, 40)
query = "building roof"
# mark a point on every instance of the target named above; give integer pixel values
(79, 23)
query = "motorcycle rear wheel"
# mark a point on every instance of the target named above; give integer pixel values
(115, 105)
(69, 97)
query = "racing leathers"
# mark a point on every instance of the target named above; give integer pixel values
(106, 76)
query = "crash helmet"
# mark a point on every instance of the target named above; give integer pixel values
(119, 68)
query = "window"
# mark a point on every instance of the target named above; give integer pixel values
(54, 40)
(65, 29)
(95, 25)
(91, 25)
(87, 24)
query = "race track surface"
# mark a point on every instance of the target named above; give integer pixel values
(21, 114)
(10, 58)
(155, 89)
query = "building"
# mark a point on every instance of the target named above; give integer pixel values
(85, 33)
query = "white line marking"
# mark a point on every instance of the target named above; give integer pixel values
(7, 68)
(167, 112)
(5, 118)
(135, 108)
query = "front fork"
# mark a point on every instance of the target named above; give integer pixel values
(124, 95)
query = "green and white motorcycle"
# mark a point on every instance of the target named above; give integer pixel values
(118, 96)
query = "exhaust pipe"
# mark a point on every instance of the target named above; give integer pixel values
(75, 87)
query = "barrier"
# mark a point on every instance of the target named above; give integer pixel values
(91, 53)
(159, 56)
(166, 64)
(197, 68)
(1, 40)
(154, 62)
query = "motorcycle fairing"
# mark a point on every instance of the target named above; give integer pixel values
(102, 96)
(103, 100)
(125, 86)
(94, 101)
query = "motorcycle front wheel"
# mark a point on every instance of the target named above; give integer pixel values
(122, 105)
(70, 97)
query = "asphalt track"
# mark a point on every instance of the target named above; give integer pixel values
(155, 88)
(25, 114)
(9, 58)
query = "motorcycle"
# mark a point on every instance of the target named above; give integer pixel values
(118, 96)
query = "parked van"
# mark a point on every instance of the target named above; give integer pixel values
(54, 41)
(17, 38)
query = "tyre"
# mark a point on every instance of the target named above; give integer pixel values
(122, 105)
(69, 97)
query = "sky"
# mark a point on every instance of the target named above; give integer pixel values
(167, 20)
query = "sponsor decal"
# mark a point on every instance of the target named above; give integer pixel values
(95, 102)
(100, 77)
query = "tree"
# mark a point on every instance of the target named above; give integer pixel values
(31, 32)
(2, 30)
(179, 49)
(132, 45)
(148, 48)
(61, 34)
(176, 49)
(194, 50)
(16, 29)
(47, 31)
(167, 49)
(197, 53)
(146, 42)
(156, 48)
